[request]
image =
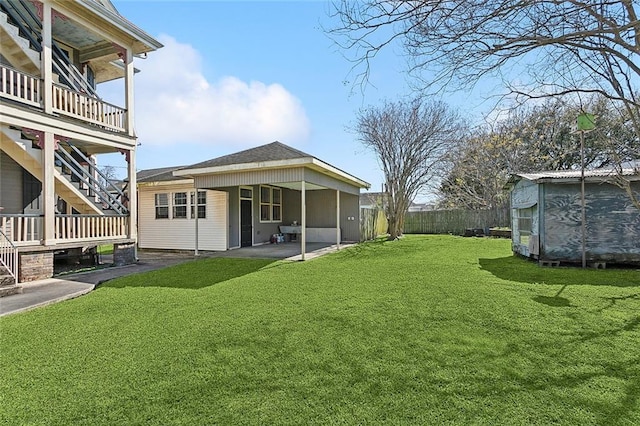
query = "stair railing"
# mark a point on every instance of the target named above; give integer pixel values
(109, 187)
(8, 255)
(26, 30)
(78, 170)
(31, 27)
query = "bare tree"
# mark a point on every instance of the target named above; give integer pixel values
(410, 139)
(110, 175)
(556, 48)
(534, 138)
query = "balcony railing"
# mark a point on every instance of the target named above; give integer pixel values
(27, 89)
(25, 230)
(19, 87)
(87, 227)
(86, 108)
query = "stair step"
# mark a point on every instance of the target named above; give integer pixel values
(9, 290)
(21, 43)
(6, 280)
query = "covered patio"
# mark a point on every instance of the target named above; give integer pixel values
(274, 189)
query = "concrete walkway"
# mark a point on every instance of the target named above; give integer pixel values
(64, 287)
(42, 293)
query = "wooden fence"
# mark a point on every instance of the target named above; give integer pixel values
(373, 222)
(455, 221)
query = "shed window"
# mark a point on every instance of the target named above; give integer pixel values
(270, 204)
(200, 203)
(162, 206)
(525, 223)
(180, 205)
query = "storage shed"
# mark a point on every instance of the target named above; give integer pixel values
(546, 217)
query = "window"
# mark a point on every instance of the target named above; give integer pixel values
(201, 205)
(276, 204)
(180, 205)
(162, 206)
(246, 193)
(270, 204)
(525, 225)
(91, 76)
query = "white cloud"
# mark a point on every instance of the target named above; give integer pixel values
(175, 103)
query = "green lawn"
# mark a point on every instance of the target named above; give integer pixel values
(425, 330)
(106, 249)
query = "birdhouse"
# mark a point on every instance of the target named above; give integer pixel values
(586, 122)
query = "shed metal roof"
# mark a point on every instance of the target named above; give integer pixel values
(559, 176)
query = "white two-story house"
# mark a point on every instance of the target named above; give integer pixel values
(54, 126)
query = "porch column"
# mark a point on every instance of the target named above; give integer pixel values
(303, 212)
(133, 196)
(338, 218)
(47, 61)
(128, 87)
(195, 200)
(48, 190)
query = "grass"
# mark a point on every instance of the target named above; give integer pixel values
(105, 249)
(425, 330)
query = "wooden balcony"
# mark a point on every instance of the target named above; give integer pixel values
(26, 231)
(27, 89)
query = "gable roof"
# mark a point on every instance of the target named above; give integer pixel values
(162, 174)
(275, 155)
(275, 151)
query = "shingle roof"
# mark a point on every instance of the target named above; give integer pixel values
(158, 175)
(253, 157)
(274, 151)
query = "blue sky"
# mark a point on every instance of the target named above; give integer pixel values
(235, 75)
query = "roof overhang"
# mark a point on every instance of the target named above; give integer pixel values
(166, 182)
(570, 177)
(308, 162)
(144, 42)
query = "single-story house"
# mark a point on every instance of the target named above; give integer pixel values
(546, 217)
(243, 199)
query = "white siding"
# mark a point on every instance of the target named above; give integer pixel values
(179, 234)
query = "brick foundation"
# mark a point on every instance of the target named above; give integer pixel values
(35, 266)
(124, 254)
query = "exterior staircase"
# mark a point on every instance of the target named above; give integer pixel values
(8, 284)
(17, 49)
(21, 151)
(20, 38)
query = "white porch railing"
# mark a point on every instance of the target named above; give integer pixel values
(8, 256)
(19, 86)
(87, 227)
(87, 108)
(27, 89)
(25, 230)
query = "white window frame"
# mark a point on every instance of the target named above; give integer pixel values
(523, 216)
(195, 204)
(175, 205)
(158, 205)
(270, 205)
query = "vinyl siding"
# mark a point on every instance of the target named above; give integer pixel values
(321, 212)
(329, 182)
(265, 177)
(179, 234)
(274, 177)
(10, 185)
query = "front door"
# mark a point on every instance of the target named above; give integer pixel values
(246, 229)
